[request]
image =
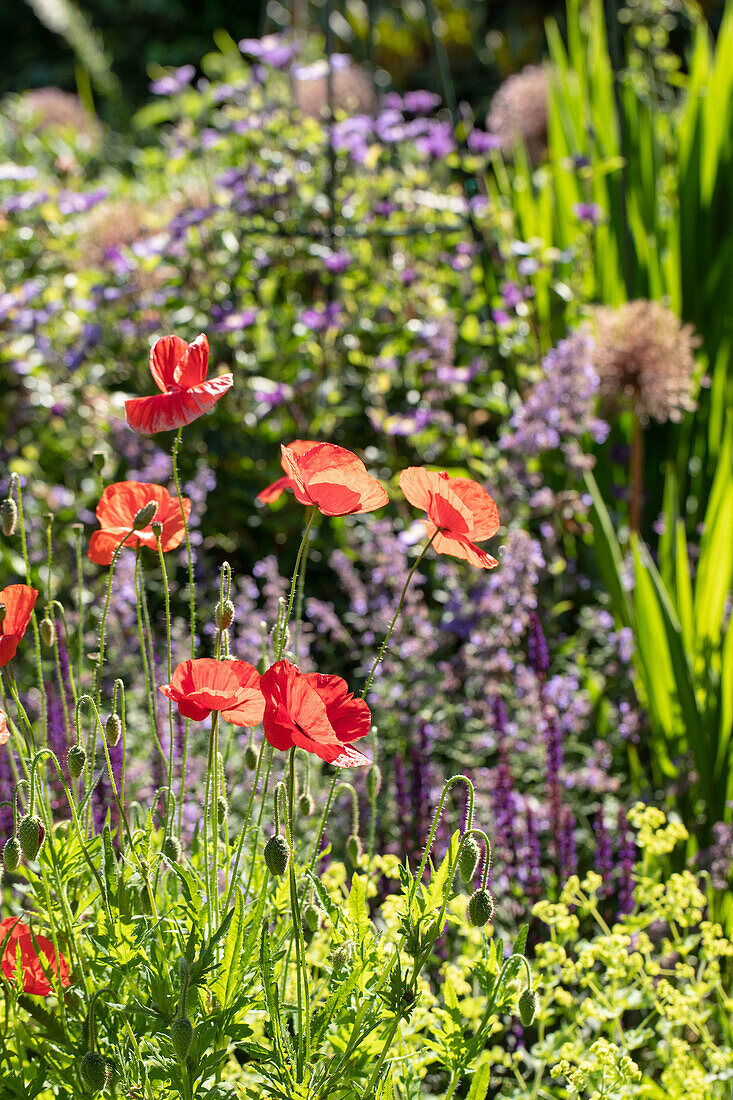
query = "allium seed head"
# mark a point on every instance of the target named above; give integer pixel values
(519, 111)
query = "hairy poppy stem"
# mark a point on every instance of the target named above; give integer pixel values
(304, 1042)
(34, 618)
(293, 584)
(396, 616)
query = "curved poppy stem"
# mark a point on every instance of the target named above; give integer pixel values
(100, 662)
(293, 584)
(396, 615)
(189, 553)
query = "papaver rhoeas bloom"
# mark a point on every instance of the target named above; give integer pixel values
(179, 371)
(4, 731)
(333, 479)
(275, 491)
(14, 933)
(18, 601)
(231, 687)
(459, 512)
(116, 511)
(314, 712)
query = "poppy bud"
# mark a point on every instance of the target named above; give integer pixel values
(145, 515)
(98, 461)
(341, 954)
(48, 632)
(480, 908)
(373, 781)
(468, 859)
(222, 809)
(181, 1037)
(306, 804)
(11, 854)
(224, 615)
(144, 899)
(76, 760)
(529, 1003)
(157, 528)
(30, 835)
(113, 729)
(93, 1071)
(250, 757)
(8, 516)
(172, 848)
(312, 917)
(354, 849)
(277, 855)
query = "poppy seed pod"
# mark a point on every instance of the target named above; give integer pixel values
(145, 515)
(11, 854)
(157, 528)
(250, 757)
(312, 917)
(306, 804)
(31, 834)
(172, 848)
(222, 809)
(480, 908)
(341, 954)
(277, 855)
(224, 615)
(8, 516)
(529, 1003)
(98, 461)
(354, 849)
(93, 1071)
(76, 760)
(113, 729)
(181, 1037)
(47, 628)
(468, 859)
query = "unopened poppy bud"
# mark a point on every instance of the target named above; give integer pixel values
(172, 848)
(76, 760)
(373, 781)
(144, 899)
(98, 461)
(224, 615)
(468, 859)
(354, 849)
(529, 1003)
(306, 804)
(48, 632)
(8, 516)
(277, 855)
(30, 835)
(222, 809)
(157, 528)
(341, 954)
(312, 916)
(250, 757)
(113, 729)
(11, 854)
(181, 1037)
(93, 1071)
(280, 639)
(480, 908)
(145, 515)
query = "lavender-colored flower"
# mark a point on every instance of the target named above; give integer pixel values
(589, 212)
(438, 142)
(604, 851)
(236, 321)
(272, 49)
(539, 655)
(173, 83)
(420, 102)
(321, 318)
(626, 860)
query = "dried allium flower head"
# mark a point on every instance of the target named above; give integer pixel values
(644, 357)
(353, 90)
(112, 224)
(519, 111)
(47, 108)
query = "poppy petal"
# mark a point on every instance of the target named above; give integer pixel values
(166, 411)
(193, 365)
(463, 548)
(484, 513)
(416, 483)
(164, 356)
(8, 648)
(102, 546)
(19, 601)
(349, 717)
(274, 491)
(4, 731)
(249, 711)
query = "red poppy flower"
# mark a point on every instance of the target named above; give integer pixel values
(14, 932)
(179, 371)
(315, 712)
(333, 479)
(274, 492)
(459, 512)
(203, 685)
(4, 731)
(116, 511)
(18, 601)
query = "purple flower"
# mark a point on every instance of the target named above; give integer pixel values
(321, 318)
(478, 141)
(589, 212)
(235, 322)
(438, 142)
(273, 50)
(420, 102)
(337, 262)
(173, 83)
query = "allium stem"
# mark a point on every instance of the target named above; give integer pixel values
(636, 486)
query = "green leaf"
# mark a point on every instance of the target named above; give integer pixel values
(232, 963)
(357, 908)
(480, 1085)
(608, 553)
